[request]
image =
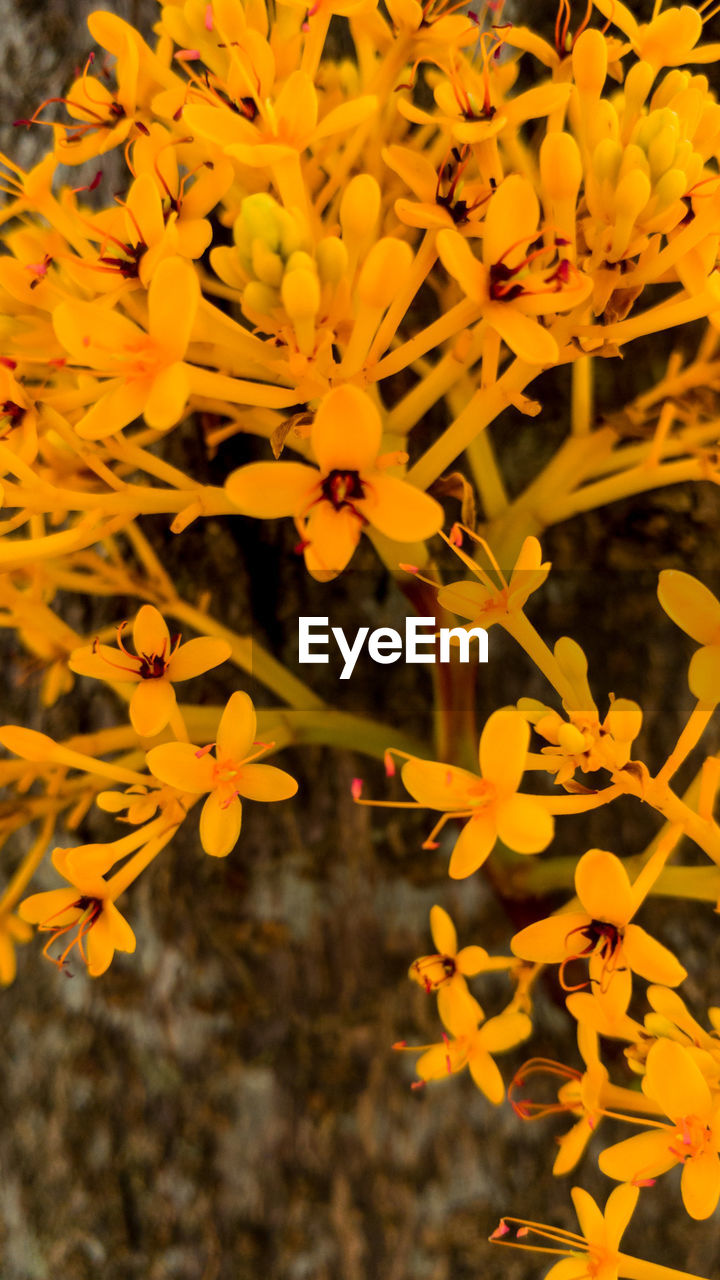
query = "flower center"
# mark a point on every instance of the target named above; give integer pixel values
(342, 488)
(691, 1138)
(433, 971)
(90, 910)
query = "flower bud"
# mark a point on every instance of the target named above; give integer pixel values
(383, 272)
(589, 61)
(359, 208)
(332, 259)
(266, 265)
(638, 83)
(259, 297)
(560, 167)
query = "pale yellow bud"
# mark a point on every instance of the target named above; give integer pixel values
(266, 265)
(589, 60)
(300, 261)
(638, 83)
(332, 260)
(300, 293)
(631, 197)
(606, 161)
(560, 166)
(634, 161)
(383, 272)
(661, 152)
(259, 297)
(670, 187)
(360, 208)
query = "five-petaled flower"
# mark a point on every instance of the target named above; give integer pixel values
(85, 912)
(490, 800)
(349, 490)
(602, 932)
(227, 775)
(675, 1081)
(446, 971)
(157, 663)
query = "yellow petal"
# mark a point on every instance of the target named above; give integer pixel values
(690, 605)
(100, 947)
(674, 1080)
(700, 1184)
(457, 1006)
(511, 222)
(103, 662)
(438, 786)
(467, 599)
(116, 408)
(592, 1223)
(474, 844)
(572, 1146)
(505, 1031)
(55, 907)
(603, 887)
(220, 825)
(646, 1155)
(524, 335)
(443, 931)
(332, 539)
(273, 489)
(552, 940)
(651, 959)
(265, 782)
(168, 397)
(347, 431)
(151, 706)
(503, 749)
(487, 1077)
(237, 729)
(704, 675)
(92, 334)
(399, 510)
(150, 632)
(347, 116)
(196, 657)
(618, 1212)
(178, 764)
(145, 205)
(173, 299)
(120, 931)
(457, 257)
(523, 824)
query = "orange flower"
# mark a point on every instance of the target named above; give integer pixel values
(490, 801)
(227, 776)
(446, 971)
(156, 664)
(334, 502)
(674, 1080)
(86, 906)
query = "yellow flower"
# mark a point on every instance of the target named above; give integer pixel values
(146, 371)
(158, 662)
(580, 1096)
(594, 1253)
(446, 972)
(85, 910)
(509, 286)
(334, 502)
(696, 611)
(227, 775)
(602, 932)
(444, 196)
(489, 800)
(486, 602)
(473, 1046)
(675, 1082)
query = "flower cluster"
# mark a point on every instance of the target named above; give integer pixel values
(346, 244)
